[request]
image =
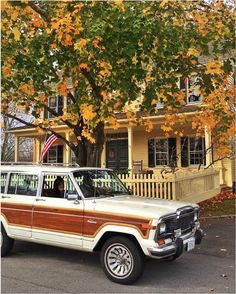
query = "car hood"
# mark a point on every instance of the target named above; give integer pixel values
(137, 206)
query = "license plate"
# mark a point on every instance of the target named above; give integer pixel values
(191, 244)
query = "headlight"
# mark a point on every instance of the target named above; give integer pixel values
(195, 215)
(162, 228)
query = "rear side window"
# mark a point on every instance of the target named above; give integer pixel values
(3, 181)
(21, 184)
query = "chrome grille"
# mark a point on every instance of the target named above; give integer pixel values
(183, 221)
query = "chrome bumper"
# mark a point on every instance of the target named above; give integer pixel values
(176, 247)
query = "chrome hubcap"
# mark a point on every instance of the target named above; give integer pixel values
(118, 260)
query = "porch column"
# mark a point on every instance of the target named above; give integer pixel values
(178, 151)
(130, 149)
(67, 150)
(208, 151)
(16, 148)
(37, 150)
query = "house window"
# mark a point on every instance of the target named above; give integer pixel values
(56, 104)
(190, 88)
(161, 151)
(196, 151)
(160, 105)
(54, 155)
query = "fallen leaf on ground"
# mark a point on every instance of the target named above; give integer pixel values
(223, 249)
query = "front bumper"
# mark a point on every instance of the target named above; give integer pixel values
(176, 247)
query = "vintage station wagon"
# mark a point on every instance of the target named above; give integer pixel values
(90, 209)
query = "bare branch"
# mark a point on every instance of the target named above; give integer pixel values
(71, 145)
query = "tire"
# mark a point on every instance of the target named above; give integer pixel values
(6, 243)
(122, 260)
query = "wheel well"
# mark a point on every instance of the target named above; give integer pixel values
(108, 235)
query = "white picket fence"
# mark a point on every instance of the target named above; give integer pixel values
(193, 187)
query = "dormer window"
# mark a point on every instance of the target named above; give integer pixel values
(56, 104)
(189, 86)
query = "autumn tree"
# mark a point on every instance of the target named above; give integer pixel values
(114, 53)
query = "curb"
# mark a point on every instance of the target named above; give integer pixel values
(218, 216)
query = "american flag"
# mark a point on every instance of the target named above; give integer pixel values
(50, 140)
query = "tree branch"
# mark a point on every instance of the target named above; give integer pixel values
(71, 145)
(40, 11)
(56, 114)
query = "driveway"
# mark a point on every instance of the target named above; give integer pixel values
(33, 268)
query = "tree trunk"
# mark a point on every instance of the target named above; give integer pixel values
(89, 154)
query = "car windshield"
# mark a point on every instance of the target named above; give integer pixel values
(99, 183)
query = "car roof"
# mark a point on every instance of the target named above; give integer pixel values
(46, 168)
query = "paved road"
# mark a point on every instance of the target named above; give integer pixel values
(34, 268)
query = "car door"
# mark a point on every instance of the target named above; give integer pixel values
(17, 202)
(56, 219)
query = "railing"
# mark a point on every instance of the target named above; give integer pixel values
(193, 187)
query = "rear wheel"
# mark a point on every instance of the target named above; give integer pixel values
(6, 243)
(122, 260)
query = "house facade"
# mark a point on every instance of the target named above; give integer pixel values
(130, 148)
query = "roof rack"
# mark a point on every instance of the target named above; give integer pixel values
(40, 164)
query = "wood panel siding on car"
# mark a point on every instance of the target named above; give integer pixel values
(70, 221)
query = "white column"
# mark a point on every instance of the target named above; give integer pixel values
(178, 151)
(16, 148)
(130, 148)
(208, 146)
(67, 150)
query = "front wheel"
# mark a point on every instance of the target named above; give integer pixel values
(6, 242)
(122, 260)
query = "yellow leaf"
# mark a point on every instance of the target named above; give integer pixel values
(193, 52)
(16, 33)
(163, 3)
(14, 15)
(214, 67)
(154, 102)
(48, 31)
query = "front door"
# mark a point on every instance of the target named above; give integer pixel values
(55, 218)
(117, 154)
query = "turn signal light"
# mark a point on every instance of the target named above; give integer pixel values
(161, 242)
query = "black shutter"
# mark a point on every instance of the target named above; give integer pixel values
(184, 151)
(151, 153)
(60, 153)
(172, 151)
(204, 151)
(45, 114)
(60, 105)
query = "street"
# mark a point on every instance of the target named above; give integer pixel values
(33, 268)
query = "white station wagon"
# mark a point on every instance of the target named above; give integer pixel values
(90, 209)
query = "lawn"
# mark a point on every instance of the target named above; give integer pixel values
(222, 204)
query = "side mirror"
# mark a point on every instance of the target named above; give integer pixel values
(72, 196)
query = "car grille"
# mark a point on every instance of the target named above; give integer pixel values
(184, 221)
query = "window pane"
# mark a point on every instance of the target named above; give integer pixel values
(54, 186)
(161, 152)
(196, 151)
(3, 181)
(23, 184)
(70, 187)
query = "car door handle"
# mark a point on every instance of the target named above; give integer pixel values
(4, 197)
(91, 221)
(38, 199)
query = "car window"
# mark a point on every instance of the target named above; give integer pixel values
(57, 186)
(3, 181)
(21, 184)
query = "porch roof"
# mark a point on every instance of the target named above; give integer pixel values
(121, 117)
